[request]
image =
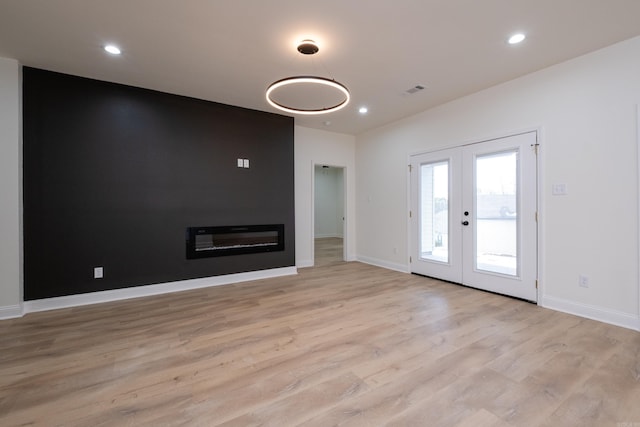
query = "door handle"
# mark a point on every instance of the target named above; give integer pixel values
(465, 223)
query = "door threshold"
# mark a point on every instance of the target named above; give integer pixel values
(477, 289)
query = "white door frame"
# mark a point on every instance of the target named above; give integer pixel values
(345, 222)
(539, 200)
(638, 172)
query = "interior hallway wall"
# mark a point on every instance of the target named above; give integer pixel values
(10, 193)
(313, 146)
(328, 201)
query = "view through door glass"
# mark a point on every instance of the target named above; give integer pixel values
(434, 201)
(496, 213)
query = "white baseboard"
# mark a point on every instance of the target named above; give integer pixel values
(148, 290)
(10, 311)
(613, 317)
(305, 263)
(625, 320)
(382, 263)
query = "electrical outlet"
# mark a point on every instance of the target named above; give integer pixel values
(98, 273)
(583, 281)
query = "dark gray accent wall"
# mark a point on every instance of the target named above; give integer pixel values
(114, 175)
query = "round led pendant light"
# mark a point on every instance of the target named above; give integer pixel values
(307, 94)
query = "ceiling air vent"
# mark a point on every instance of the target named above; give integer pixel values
(415, 89)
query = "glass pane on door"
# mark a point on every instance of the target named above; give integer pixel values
(496, 203)
(434, 211)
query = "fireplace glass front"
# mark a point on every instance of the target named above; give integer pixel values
(215, 241)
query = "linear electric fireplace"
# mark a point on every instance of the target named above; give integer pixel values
(203, 242)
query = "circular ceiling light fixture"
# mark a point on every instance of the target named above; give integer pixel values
(308, 95)
(286, 95)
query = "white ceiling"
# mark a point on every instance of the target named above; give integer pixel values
(229, 51)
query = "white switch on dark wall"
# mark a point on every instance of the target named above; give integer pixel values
(98, 273)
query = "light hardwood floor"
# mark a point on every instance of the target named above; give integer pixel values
(328, 250)
(347, 344)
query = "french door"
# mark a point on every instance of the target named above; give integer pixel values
(474, 215)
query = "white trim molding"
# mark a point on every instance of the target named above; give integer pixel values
(10, 312)
(613, 317)
(304, 263)
(638, 220)
(402, 268)
(149, 290)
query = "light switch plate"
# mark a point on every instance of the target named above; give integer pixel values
(559, 189)
(240, 163)
(98, 273)
(246, 163)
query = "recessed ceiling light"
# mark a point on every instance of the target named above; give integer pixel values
(516, 38)
(112, 49)
(363, 110)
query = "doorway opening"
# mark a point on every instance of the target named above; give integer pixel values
(329, 214)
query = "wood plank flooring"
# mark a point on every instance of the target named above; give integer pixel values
(328, 250)
(346, 344)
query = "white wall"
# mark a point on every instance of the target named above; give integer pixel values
(10, 193)
(313, 147)
(586, 111)
(328, 201)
